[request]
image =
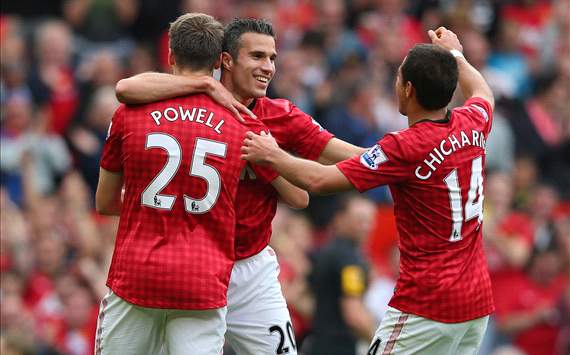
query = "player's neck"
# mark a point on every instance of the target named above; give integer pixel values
(189, 72)
(228, 84)
(418, 114)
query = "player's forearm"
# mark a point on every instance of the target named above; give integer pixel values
(150, 87)
(338, 150)
(472, 83)
(306, 174)
(293, 196)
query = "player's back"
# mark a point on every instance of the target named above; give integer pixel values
(180, 160)
(439, 214)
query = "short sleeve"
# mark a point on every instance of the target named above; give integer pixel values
(381, 164)
(112, 156)
(483, 109)
(309, 137)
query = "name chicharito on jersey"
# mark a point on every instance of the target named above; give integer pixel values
(194, 114)
(446, 147)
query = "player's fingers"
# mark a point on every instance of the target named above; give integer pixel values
(250, 134)
(243, 109)
(236, 114)
(263, 134)
(432, 36)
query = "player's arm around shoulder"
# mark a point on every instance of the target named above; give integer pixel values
(308, 175)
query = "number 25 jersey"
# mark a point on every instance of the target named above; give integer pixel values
(180, 161)
(435, 173)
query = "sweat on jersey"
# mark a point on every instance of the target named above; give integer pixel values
(435, 171)
(180, 161)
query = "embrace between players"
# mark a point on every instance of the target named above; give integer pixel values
(192, 262)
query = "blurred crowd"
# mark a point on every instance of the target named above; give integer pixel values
(337, 61)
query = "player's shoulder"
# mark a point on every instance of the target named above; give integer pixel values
(275, 108)
(407, 144)
(276, 104)
(475, 108)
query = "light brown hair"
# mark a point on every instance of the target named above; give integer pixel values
(196, 41)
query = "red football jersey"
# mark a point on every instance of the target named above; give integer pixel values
(296, 132)
(180, 161)
(435, 172)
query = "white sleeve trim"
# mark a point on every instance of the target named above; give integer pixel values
(482, 110)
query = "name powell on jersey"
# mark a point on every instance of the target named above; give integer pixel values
(373, 157)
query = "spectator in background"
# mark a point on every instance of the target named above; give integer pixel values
(87, 137)
(52, 78)
(512, 64)
(339, 280)
(538, 125)
(22, 136)
(100, 21)
(529, 315)
(541, 211)
(508, 235)
(353, 120)
(525, 176)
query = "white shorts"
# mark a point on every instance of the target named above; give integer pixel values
(258, 320)
(404, 333)
(124, 328)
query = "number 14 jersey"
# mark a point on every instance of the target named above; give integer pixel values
(180, 161)
(435, 172)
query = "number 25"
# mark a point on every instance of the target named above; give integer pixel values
(151, 196)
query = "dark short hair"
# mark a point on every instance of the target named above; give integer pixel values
(196, 41)
(235, 29)
(433, 73)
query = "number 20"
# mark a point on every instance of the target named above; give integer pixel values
(472, 209)
(151, 196)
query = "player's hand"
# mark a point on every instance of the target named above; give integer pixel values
(445, 39)
(225, 98)
(258, 148)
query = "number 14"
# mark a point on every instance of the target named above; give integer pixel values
(472, 208)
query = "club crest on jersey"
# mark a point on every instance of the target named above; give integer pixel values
(373, 157)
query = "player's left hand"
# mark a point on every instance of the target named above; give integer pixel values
(258, 148)
(445, 38)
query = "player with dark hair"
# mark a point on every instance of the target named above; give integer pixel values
(180, 164)
(258, 320)
(435, 171)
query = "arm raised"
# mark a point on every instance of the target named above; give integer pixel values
(471, 82)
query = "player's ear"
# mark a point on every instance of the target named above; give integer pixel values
(227, 61)
(218, 63)
(171, 59)
(409, 89)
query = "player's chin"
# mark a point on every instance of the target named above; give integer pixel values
(258, 92)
